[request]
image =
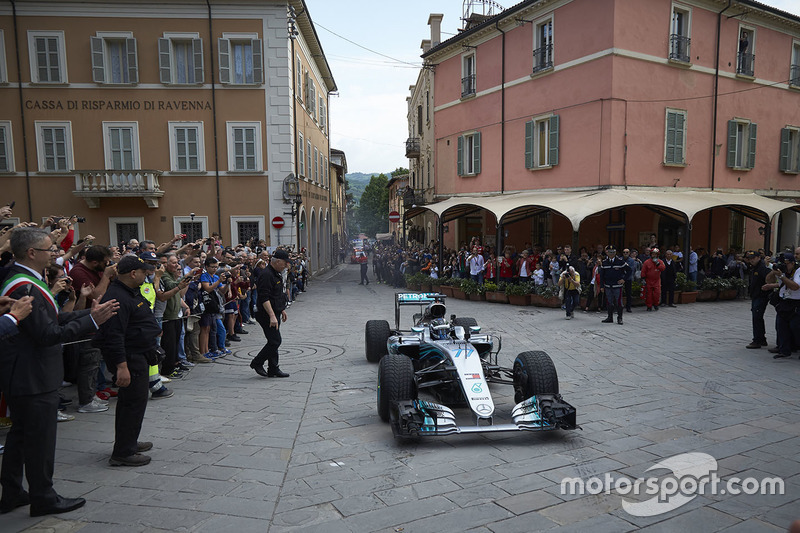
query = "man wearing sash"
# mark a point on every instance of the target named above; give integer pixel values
(31, 371)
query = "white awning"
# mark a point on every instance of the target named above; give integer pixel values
(578, 205)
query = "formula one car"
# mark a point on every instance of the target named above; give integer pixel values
(453, 361)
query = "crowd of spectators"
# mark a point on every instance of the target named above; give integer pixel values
(202, 293)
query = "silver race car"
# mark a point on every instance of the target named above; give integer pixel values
(455, 363)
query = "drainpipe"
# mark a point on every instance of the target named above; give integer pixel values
(328, 173)
(22, 113)
(716, 99)
(214, 119)
(502, 109)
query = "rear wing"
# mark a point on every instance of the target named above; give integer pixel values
(421, 299)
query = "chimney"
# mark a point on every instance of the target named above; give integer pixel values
(435, 22)
(426, 45)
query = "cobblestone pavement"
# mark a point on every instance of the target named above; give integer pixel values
(236, 452)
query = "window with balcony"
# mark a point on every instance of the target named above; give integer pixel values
(114, 58)
(543, 46)
(6, 148)
(794, 71)
(469, 154)
(790, 150)
(679, 35)
(121, 143)
(468, 87)
(541, 142)
(180, 59)
(48, 57)
(244, 146)
(54, 146)
(745, 56)
(301, 158)
(240, 60)
(741, 144)
(186, 148)
(675, 137)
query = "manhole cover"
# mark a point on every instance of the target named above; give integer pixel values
(296, 354)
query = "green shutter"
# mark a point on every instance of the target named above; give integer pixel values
(258, 62)
(476, 154)
(460, 158)
(197, 50)
(98, 63)
(553, 157)
(224, 61)
(732, 143)
(133, 60)
(164, 63)
(529, 144)
(669, 153)
(679, 137)
(751, 155)
(785, 139)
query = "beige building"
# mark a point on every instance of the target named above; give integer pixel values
(156, 118)
(338, 172)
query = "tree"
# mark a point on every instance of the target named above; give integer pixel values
(372, 214)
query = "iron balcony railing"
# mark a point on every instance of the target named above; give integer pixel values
(468, 85)
(744, 63)
(412, 148)
(794, 76)
(543, 58)
(679, 48)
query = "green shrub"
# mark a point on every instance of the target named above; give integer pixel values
(516, 289)
(490, 286)
(547, 291)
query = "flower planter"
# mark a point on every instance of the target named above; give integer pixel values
(447, 290)
(519, 299)
(478, 297)
(413, 286)
(458, 293)
(687, 297)
(497, 297)
(425, 287)
(728, 294)
(436, 288)
(552, 301)
(706, 296)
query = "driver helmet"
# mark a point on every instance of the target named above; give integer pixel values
(437, 309)
(439, 334)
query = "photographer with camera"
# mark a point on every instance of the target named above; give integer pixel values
(570, 280)
(785, 276)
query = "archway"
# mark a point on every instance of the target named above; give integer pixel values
(303, 235)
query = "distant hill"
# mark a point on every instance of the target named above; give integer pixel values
(359, 181)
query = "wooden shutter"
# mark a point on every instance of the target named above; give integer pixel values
(679, 136)
(301, 156)
(98, 60)
(164, 61)
(133, 61)
(224, 61)
(553, 156)
(751, 152)
(732, 143)
(529, 129)
(476, 154)
(199, 71)
(258, 62)
(460, 156)
(669, 153)
(784, 165)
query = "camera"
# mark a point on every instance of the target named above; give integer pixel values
(196, 246)
(80, 219)
(183, 235)
(780, 267)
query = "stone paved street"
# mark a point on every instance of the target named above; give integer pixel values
(236, 452)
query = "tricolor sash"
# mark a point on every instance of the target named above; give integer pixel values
(18, 280)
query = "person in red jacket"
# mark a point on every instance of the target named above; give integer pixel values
(651, 275)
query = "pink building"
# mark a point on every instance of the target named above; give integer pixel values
(650, 101)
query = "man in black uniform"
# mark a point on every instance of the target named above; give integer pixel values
(128, 343)
(612, 278)
(759, 298)
(270, 312)
(31, 371)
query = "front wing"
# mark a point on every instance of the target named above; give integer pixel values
(421, 418)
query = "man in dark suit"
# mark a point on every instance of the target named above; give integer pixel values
(31, 371)
(13, 311)
(668, 277)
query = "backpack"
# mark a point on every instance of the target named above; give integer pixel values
(210, 302)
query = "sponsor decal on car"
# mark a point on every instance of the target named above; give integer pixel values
(472, 376)
(477, 388)
(483, 408)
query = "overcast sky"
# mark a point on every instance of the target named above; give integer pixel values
(368, 117)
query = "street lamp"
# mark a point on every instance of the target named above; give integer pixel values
(291, 195)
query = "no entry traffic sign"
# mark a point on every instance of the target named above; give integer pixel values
(277, 222)
(394, 217)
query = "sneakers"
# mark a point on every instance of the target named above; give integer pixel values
(200, 359)
(241, 331)
(209, 356)
(608, 320)
(111, 392)
(164, 379)
(753, 345)
(176, 374)
(103, 395)
(94, 407)
(161, 393)
(250, 321)
(64, 417)
(569, 317)
(185, 365)
(137, 459)
(234, 338)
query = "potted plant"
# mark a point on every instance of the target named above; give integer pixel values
(411, 282)
(495, 292)
(686, 289)
(729, 289)
(636, 293)
(425, 282)
(456, 288)
(446, 286)
(436, 285)
(709, 290)
(472, 289)
(517, 293)
(547, 296)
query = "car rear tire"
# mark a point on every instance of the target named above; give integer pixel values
(376, 334)
(395, 382)
(465, 321)
(534, 373)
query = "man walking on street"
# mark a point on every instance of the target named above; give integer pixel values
(129, 347)
(31, 371)
(758, 298)
(613, 272)
(271, 312)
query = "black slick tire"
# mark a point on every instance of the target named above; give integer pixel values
(376, 333)
(395, 382)
(534, 373)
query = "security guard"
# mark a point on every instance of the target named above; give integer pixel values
(128, 343)
(270, 313)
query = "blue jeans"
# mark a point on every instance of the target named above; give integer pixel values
(244, 307)
(181, 337)
(693, 276)
(221, 334)
(572, 299)
(478, 278)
